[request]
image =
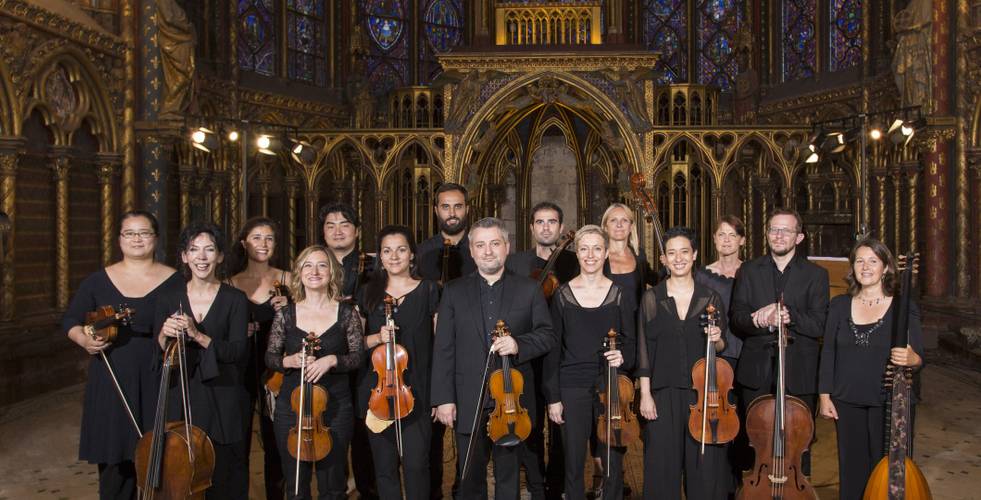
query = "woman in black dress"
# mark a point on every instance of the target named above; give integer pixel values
(626, 262)
(415, 303)
(583, 311)
(252, 272)
(729, 237)
(317, 286)
(857, 347)
(107, 436)
(670, 339)
(215, 317)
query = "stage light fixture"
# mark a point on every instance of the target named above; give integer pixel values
(204, 139)
(303, 152)
(812, 154)
(876, 133)
(833, 143)
(233, 135)
(265, 144)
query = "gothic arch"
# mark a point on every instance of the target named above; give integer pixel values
(769, 147)
(398, 152)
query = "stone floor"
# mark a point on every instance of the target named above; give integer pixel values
(39, 440)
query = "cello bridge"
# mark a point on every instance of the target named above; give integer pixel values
(777, 480)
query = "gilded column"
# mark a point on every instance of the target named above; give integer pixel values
(313, 232)
(105, 172)
(263, 181)
(292, 186)
(897, 187)
(186, 173)
(912, 169)
(880, 197)
(234, 216)
(218, 198)
(59, 166)
(130, 28)
(8, 184)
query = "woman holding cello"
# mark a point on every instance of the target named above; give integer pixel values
(583, 311)
(412, 304)
(318, 315)
(252, 272)
(213, 318)
(670, 340)
(856, 350)
(108, 436)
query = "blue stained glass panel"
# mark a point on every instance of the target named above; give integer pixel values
(306, 41)
(386, 21)
(443, 25)
(665, 30)
(718, 24)
(798, 39)
(387, 64)
(846, 34)
(257, 36)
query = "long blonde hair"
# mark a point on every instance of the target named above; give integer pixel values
(334, 286)
(634, 240)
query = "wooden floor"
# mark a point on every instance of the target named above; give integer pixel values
(39, 442)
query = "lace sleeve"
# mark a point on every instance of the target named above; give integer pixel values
(355, 342)
(645, 314)
(277, 341)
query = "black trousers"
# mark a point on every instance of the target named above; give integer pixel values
(860, 446)
(231, 477)
(749, 395)
(580, 411)
(117, 481)
(416, 436)
(272, 468)
(437, 432)
(330, 471)
(669, 451)
(507, 465)
(555, 467)
(533, 459)
(362, 466)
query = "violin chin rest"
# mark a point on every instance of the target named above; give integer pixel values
(508, 440)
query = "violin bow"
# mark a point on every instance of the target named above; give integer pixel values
(476, 417)
(390, 354)
(119, 388)
(710, 318)
(299, 416)
(185, 389)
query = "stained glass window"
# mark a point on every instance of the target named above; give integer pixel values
(443, 22)
(718, 23)
(845, 33)
(666, 31)
(798, 39)
(257, 36)
(306, 41)
(388, 62)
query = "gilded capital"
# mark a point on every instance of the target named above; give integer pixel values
(60, 165)
(8, 164)
(105, 172)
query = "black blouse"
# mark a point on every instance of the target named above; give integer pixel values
(413, 315)
(667, 346)
(216, 376)
(344, 339)
(578, 361)
(854, 357)
(635, 281)
(723, 286)
(107, 436)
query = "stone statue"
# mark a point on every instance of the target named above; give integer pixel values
(747, 83)
(912, 62)
(176, 42)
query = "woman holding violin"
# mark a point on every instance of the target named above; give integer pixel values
(413, 302)
(252, 272)
(626, 264)
(583, 311)
(213, 319)
(728, 238)
(670, 340)
(108, 436)
(317, 314)
(856, 349)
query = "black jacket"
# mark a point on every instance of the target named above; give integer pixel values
(460, 350)
(806, 298)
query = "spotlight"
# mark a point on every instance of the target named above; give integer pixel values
(233, 135)
(812, 154)
(265, 144)
(204, 139)
(876, 133)
(303, 152)
(833, 143)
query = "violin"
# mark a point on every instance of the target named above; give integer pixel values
(617, 425)
(309, 440)
(780, 429)
(272, 379)
(175, 460)
(509, 423)
(444, 274)
(391, 399)
(712, 420)
(896, 475)
(647, 206)
(546, 276)
(102, 324)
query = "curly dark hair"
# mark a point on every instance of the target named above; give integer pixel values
(193, 230)
(237, 259)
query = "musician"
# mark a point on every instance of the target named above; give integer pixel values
(728, 238)
(671, 338)
(252, 272)
(108, 437)
(342, 229)
(468, 311)
(547, 228)
(452, 212)
(857, 347)
(627, 264)
(583, 311)
(316, 287)
(759, 285)
(415, 303)
(214, 318)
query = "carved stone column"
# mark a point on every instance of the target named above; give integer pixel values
(186, 173)
(292, 187)
(263, 181)
(9, 150)
(912, 169)
(897, 187)
(880, 197)
(106, 172)
(60, 164)
(218, 198)
(313, 232)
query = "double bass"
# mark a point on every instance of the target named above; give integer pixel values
(712, 420)
(102, 324)
(391, 400)
(309, 440)
(175, 460)
(648, 207)
(780, 429)
(617, 425)
(546, 276)
(896, 476)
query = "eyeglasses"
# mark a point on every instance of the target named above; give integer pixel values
(773, 231)
(128, 235)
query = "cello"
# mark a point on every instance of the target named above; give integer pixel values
(546, 276)
(175, 460)
(391, 400)
(309, 440)
(896, 476)
(712, 420)
(780, 428)
(648, 207)
(101, 324)
(617, 425)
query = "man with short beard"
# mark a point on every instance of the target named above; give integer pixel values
(760, 283)
(451, 212)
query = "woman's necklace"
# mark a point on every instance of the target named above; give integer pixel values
(871, 302)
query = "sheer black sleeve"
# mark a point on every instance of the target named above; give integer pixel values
(354, 331)
(552, 361)
(277, 341)
(645, 313)
(628, 329)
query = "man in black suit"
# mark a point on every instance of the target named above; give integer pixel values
(759, 285)
(470, 307)
(452, 214)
